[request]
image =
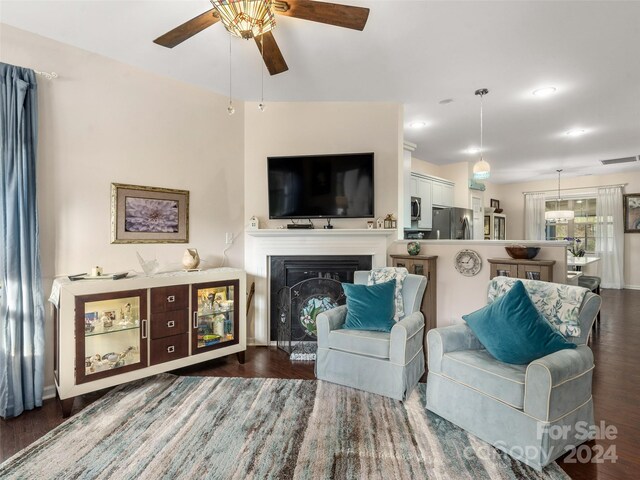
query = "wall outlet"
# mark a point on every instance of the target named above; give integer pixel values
(228, 238)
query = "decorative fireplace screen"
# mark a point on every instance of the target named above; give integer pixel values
(298, 307)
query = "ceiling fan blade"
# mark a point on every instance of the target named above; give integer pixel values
(188, 29)
(345, 16)
(271, 54)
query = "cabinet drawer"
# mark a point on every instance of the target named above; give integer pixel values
(166, 299)
(169, 348)
(169, 323)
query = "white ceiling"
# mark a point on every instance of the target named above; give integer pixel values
(416, 53)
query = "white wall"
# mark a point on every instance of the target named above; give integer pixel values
(458, 295)
(512, 201)
(316, 128)
(102, 122)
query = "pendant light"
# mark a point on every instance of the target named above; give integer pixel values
(558, 216)
(481, 169)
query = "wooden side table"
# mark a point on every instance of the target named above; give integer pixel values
(423, 265)
(526, 269)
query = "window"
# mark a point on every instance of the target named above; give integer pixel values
(582, 227)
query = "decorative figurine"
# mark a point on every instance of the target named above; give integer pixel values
(191, 259)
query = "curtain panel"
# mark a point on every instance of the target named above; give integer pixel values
(534, 221)
(610, 237)
(21, 296)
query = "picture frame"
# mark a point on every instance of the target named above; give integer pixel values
(494, 203)
(631, 206)
(141, 214)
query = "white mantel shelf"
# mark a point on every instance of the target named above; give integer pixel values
(264, 243)
(320, 232)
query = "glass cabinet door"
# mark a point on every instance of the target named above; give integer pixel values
(215, 316)
(111, 332)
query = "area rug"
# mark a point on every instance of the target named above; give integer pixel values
(169, 427)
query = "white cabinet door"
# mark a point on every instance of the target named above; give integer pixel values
(424, 192)
(447, 195)
(414, 187)
(442, 194)
(437, 193)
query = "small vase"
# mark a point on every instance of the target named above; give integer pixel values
(190, 259)
(413, 248)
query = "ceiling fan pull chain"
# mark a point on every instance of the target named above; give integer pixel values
(261, 105)
(230, 109)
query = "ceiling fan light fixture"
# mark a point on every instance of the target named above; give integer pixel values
(245, 18)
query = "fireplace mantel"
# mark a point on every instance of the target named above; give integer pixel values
(263, 243)
(321, 232)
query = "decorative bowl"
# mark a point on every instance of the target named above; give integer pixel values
(520, 252)
(499, 210)
(413, 248)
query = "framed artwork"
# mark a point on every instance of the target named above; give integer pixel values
(631, 213)
(149, 214)
(494, 203)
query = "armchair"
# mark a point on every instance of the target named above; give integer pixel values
(386, 363)
(535, 412)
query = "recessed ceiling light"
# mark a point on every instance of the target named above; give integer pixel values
(418, 124)
(544, 91)
(472, 150)
(576, 132)
(445, 101)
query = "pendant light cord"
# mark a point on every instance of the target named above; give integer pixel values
(481, 127)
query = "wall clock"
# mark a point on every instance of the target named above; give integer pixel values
(468, 262)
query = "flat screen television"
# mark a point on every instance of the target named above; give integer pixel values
(321, 186)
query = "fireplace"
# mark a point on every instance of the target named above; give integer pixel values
(302, 286)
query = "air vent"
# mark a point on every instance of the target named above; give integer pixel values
(616, 161)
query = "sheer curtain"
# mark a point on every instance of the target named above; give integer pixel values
(534, 222)
(610, 237)
(21, 298)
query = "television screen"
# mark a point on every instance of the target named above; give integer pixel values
(321, 186)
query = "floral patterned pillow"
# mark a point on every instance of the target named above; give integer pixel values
(386, 274)
(559, 304)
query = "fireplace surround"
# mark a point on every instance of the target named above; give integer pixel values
(262, 244)
(301, 287)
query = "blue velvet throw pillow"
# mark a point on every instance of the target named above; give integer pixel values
(512, 329)
(370, 307)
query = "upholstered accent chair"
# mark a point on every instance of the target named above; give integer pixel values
(385, 363)
(533, 412)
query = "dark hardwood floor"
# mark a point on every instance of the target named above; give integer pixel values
(616, 391)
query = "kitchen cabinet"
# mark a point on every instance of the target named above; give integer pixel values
(109, 332)
(432, 191)
(442, 194)
(424, 192)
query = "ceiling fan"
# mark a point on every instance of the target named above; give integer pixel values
(254, 19)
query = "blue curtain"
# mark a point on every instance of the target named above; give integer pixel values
(21, 297)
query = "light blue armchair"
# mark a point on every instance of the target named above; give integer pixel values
(386, 363)
(534, 412)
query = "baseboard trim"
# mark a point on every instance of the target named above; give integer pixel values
(632, 287)
(49, 392)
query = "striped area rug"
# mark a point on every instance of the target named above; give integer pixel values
(169, 427)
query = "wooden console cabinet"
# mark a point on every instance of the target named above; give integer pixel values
(109, 332)
(527, 269)
(423, 265)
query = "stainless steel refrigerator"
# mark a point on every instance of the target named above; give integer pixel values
(452, 223)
